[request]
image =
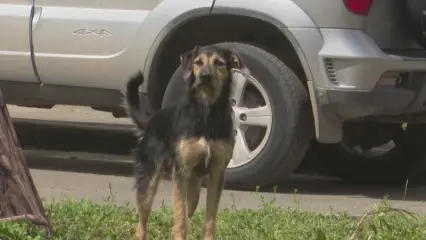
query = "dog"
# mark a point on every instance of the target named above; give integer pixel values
(188, 141)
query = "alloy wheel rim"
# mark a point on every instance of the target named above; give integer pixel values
(246, 116)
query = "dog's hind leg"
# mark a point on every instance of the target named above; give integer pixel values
(194, 188)
(180, 205)
(147, 186)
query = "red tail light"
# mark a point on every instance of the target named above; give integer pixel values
(359, 7)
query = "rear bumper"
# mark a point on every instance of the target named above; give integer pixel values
(347, 85)
(380, 101)
(351, 60)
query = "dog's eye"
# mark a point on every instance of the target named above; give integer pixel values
(198, 62)
(219, 63)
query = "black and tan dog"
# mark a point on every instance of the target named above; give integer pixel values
(189, 140)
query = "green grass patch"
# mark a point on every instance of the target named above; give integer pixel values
(84, 220)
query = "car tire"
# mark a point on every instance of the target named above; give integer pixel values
(392, 167)
(292, 123)
(414, 17)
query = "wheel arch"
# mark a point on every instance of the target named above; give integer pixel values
(220, 25)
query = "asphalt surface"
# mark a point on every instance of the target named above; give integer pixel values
(74, 173)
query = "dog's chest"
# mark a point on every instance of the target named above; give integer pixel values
(217, 126)
(210, 154)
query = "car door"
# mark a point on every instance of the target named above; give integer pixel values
(15, 52)
(84, 42)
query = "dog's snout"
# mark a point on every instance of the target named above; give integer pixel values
(205, 76)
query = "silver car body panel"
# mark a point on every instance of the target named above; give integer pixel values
(15, 52)
(97, 43)
(386, 25)
(330, 14)
(85, 43)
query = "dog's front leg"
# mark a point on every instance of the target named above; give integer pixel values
(180, 208)
(194, 189)
(214, 192)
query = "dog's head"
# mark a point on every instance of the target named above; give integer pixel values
(207, 70)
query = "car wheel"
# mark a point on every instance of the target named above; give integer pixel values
(390, 163)
(415, 17)
(273, 119)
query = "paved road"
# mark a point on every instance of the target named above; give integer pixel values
(93, 180)
(79, 175)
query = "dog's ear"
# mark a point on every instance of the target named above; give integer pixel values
(186, 60)
(237, 62)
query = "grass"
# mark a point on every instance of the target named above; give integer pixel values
(84, 220)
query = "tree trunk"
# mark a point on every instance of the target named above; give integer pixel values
(19, 199)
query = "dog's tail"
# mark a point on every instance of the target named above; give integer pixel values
(133, 104)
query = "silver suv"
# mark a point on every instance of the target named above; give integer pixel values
(348, 74)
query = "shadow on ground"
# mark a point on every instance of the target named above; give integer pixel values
(121, 142)
(299, 183)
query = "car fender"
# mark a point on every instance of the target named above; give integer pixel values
(289, 18)
(161, 20)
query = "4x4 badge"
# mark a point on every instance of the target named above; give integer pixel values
(96, 32)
